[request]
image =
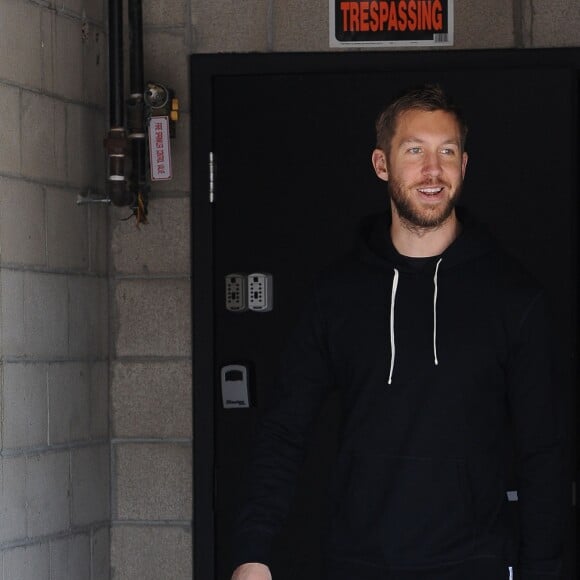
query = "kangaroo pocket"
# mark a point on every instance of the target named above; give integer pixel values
(402, 511)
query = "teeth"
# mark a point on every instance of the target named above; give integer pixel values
(431, 190)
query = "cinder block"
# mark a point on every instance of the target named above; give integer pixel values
(165, 13)
(151, 399)
(22, 228)
(10, 126)
(68, 402)
(45, 315)
(34, 314)
(70, 558)
(495, 17)
(47, 38)
(91, 9)
(90, 485)
(12, 336)
(12, 498)
(153, 481)
(19, 25)
(98, 238)
(101, 130)
(68, 61)
(165, 55)
(27, 563)
(95, 81)
(101, 550)
(153, 317)
(99, 400)
(95, 10)
(160, 247)
(553, 22)
(230, 26)
(88, 326)
(43, 151)
(180, 160)
(83, 156)
(74, 6)
(87, 9)
(67, 247)
(25, 406)
(300, 26)
(47, 493)
(151, 553)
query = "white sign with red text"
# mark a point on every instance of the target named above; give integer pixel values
(160, 149)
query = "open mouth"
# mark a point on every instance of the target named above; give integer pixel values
(430, 190)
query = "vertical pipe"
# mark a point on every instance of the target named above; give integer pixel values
(116, 142)
(136, 47)
(116, 89)
(137, 124)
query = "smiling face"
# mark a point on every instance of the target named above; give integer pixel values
(425, 168)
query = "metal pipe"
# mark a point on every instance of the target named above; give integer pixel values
(136, 108)
(116, 88)
(116, 141)
(136, 47)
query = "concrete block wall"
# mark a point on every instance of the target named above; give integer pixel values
(151, 397)
(54, 423)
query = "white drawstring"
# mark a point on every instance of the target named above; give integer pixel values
(392, 323)
(392, 318)
(435, 312)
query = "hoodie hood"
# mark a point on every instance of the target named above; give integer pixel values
(376, 247)
(374, 243)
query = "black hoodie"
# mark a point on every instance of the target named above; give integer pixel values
(439, 365)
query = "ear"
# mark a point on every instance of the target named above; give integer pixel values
(379, 160)
(463, 164)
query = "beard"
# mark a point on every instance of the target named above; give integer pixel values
(417, 216)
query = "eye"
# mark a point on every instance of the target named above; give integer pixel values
(414, 150)
(448, 151)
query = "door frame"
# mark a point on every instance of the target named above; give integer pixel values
(204, 68)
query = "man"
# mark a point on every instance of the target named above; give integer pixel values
(438, 344)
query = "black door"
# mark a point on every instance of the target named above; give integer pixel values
(291, 138)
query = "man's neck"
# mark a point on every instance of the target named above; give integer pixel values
(417, 242)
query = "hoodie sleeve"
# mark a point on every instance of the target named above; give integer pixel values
(304, 382)
(535, 404)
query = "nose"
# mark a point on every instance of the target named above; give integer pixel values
(431, 164)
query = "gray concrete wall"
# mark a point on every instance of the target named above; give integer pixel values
(54, 453)
(151, 412)
(61, 265)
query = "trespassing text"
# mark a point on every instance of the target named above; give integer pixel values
(401, 16)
